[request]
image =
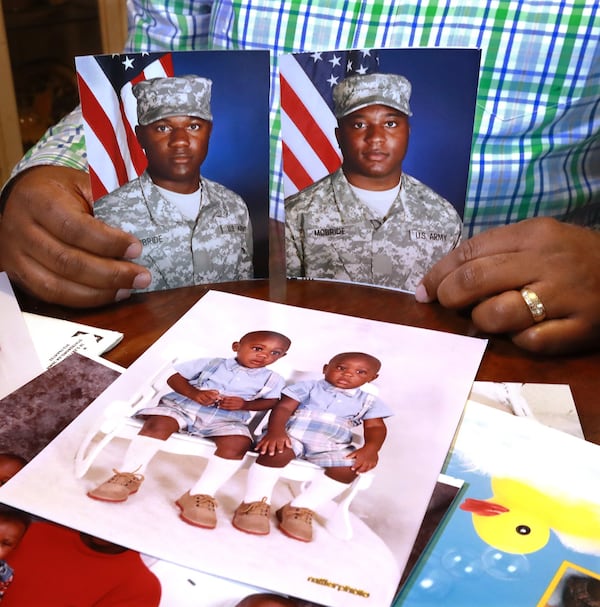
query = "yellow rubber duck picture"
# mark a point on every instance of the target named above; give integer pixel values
(519, 518)
(530, 507)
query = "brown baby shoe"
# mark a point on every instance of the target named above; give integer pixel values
(198, 510)
(118, 487)
(253, 517)
(296, 522)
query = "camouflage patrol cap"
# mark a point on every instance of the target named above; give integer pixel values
(356, 92)
(177, 96)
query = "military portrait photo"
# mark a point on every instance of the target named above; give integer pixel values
(180, 162)
(376, 150)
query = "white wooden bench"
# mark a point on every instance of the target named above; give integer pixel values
(118, 421)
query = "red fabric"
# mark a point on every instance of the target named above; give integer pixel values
(54, 568)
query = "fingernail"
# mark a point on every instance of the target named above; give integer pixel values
(142, 280)
(421, 294)
(133, 251)
(122, 294)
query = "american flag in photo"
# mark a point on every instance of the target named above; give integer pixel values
(110, 114)
(309, 148)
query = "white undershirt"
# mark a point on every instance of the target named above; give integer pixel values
(379, 201)
(188, 204)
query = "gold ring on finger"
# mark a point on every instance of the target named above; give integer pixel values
(534, 303)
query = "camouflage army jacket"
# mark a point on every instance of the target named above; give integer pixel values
(331, 234)
(217, 247)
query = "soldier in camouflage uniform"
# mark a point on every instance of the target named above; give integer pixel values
(369, 222)
(193, 230)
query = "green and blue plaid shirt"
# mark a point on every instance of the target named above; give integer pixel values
(536, 144)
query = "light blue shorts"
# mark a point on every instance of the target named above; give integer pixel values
(200, 420)
(321, 438)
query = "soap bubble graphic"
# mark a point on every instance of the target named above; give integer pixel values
(464, 564)
(434, 584)
(505, 566)
(458, 566)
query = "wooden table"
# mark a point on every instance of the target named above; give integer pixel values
(145, 317)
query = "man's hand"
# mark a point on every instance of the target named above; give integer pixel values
(558, 261)
(52, 246)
